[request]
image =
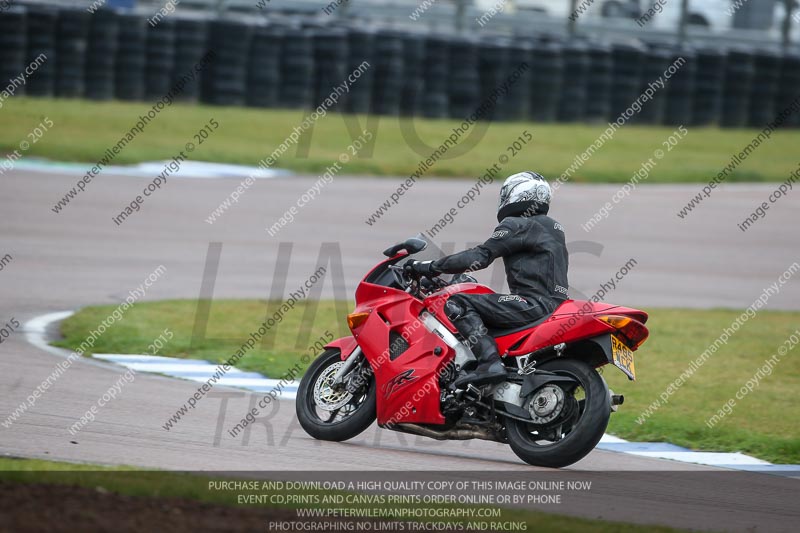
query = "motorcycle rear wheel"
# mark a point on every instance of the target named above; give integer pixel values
(332, 414)
(579, 439)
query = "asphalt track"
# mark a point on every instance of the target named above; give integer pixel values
(80, 257)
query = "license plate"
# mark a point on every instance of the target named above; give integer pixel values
(623, 357)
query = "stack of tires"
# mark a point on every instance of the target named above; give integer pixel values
(191, 35)
(572, 105)
(100, 56)
(131, 57)
(13, 46)
(434, 99)
(297, 69)
(739, 73)
(767, 71)
(264, 66)
(41, 44)
(413, 74)
(680, 87)
(226, 79)
(160, 59)
(494, 68)
(330, 62)
(601, 70)
(464, 81)
(547, 65)
(361, 45)
(388, 83)
(789, 88)
(72, 42)
(118, 55)
(708, 86)
(516, 104)
(654, 64)
(627, 74)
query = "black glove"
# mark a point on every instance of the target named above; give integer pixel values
(421, 267)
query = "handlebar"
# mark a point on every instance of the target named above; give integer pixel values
(415, 281)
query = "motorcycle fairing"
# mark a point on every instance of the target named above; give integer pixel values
(417, 357)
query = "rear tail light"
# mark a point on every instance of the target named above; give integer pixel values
(634, 331)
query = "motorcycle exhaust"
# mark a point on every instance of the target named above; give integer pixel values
(450, 434)
(615, 400)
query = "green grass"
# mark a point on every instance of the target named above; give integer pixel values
(229, 325)
(763, 424)
(21, 465)
(160, 484)
(84, 130)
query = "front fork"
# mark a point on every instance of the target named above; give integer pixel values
(348, 365)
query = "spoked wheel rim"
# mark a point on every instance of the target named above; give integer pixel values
(333, 405)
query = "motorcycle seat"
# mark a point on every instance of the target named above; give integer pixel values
(501, 332)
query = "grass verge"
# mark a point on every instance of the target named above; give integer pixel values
(763, 423)
(83, 131)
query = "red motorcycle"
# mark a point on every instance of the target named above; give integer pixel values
(404, 355)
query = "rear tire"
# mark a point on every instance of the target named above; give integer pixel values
(583, 436)
(361, 404)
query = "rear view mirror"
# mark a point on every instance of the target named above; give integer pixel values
(412, 246)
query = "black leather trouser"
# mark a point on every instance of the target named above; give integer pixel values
(473, 314)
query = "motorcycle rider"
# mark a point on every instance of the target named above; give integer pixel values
(535, 254)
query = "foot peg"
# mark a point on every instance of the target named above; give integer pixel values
(484, 375)
(475, 391)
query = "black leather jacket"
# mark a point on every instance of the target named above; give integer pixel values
(534, 252)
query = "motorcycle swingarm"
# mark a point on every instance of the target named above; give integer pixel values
(540, 378)
(512, 406)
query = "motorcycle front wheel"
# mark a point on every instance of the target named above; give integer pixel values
(579, 417)
(333, 413)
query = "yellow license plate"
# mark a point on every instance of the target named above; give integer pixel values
(623, 357)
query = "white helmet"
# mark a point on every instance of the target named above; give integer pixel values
(524, 194)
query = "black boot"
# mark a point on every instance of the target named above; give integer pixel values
(490, 368)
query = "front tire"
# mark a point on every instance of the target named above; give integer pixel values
(579, 439)
(328, 413)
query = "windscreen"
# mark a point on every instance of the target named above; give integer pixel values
(430, 253)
